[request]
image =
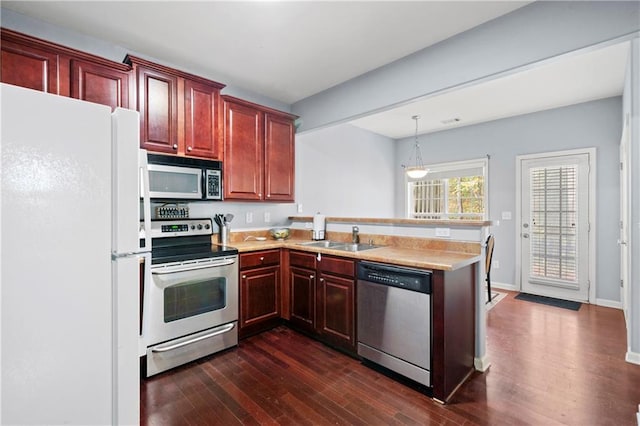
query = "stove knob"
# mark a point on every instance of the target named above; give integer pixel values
(199, 226)
(207, 226)
(193, 227)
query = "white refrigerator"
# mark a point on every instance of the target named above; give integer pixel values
(70, 270)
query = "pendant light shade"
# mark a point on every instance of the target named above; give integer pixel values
(416, 169)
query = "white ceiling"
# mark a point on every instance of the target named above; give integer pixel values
(283, 50)
(288, 50)
(568, 80)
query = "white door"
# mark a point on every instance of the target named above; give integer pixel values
(624, 219)
(554, 234)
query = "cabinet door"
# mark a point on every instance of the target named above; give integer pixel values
(158, 107)
(100, 84)
(259, 299)
(303, 298)
(30, 67)
(336, 306)
(243, 163)
(279, 158)
(201, 104)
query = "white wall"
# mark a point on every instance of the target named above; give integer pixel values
(591, 124)
(345, 171)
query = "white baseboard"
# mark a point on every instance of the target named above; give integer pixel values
(481, 364)
(632, 357)
(609, 303)
(504, 286)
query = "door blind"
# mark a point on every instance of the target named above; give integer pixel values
(554, 220)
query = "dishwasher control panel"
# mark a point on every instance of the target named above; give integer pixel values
(395, 276)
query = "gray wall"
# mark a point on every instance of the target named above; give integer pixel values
(591, 124)
(535, 32)
(345, 171)
(34, 27)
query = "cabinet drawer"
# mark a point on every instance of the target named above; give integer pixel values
(259, 258)
(338, 266)
(302, 259)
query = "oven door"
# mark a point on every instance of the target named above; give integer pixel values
(189, 297)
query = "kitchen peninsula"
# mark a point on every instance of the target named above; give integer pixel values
(313, 290)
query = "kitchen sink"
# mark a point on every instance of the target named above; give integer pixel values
(355, 247)
(323, 244)
(337, 245)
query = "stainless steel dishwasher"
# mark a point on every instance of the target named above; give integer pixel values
(394, 319)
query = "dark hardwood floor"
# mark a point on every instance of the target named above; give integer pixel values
(550, 366)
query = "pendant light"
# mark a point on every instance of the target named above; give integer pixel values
(416, 170)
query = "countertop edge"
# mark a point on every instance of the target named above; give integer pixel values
(425, 259)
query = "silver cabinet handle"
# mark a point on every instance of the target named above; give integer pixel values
(175, 146)
(261, 259)
(189, 148)
(244, 277)
(217, 331)
(311, 277)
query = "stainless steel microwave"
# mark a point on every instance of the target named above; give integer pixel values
(182, 178)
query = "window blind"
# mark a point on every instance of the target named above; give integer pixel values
(554, 220)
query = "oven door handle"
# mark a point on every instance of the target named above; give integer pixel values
(192, 267)
(219, 330)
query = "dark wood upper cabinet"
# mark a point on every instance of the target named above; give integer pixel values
(29, 62)
(259, 154)
(243, 144)
(106, 85)
(179, 112)
(157, 102)
(202, 120)
(279, 157)
(41, 65)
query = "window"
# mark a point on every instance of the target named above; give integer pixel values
(450, 191)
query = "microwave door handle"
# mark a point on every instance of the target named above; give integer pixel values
(144, 193)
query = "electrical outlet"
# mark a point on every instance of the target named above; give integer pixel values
(443, 232)
(300, 208)
(506, 215)
(496, 264)
(267, 217)
(249, 217)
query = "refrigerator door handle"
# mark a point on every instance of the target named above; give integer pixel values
(144, 194)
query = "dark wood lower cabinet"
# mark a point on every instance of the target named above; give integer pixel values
(322, 298)
(260, 285)
(336, 301)
(453, 313)
(303, 298)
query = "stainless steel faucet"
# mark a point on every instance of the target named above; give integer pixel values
(355, 238)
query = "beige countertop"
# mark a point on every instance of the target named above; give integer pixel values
(418, 258)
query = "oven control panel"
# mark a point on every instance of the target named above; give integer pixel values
(181, 228)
